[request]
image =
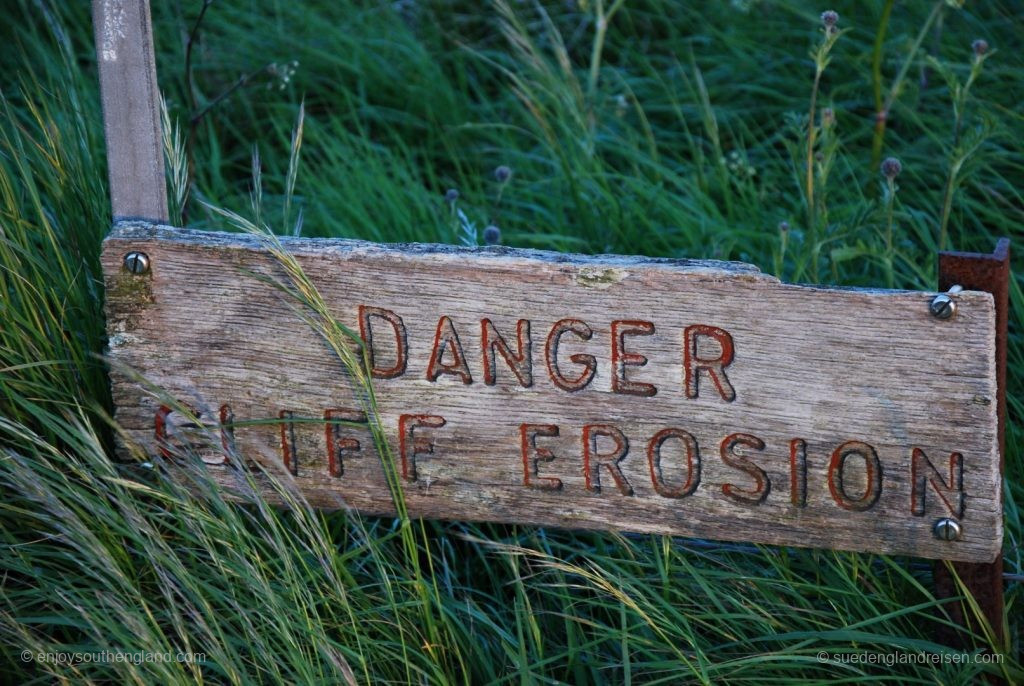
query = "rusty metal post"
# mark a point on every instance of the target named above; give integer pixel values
(980, 272)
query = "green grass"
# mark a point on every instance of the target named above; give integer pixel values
(637, 139)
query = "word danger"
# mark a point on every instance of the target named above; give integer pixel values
(672, 459)
(449, 357)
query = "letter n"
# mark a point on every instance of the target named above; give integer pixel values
(923, 472)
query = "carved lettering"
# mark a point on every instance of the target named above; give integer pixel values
(692, 463)
(366, 313)
(583, 331)
(532, 455)
(923, 473)
(694, 364)
(447, 338)
(288, 452)
(227, 433)
(170, 435)
(410, 445)
(798, 472)
(160, 431)
(338, 445)
(621, 359)
(838, 483)
(762, 484)
(520, 362)
(593, 460)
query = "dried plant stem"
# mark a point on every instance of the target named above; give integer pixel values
(603, 21)
(959, 157)
(890, 201)
(812, 220)
(947, 203)
(882, 110)
(876, 54)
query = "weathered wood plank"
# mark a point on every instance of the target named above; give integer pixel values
(131, 109)
(842, 385)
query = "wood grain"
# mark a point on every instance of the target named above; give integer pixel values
(849, 383)
(131, 109)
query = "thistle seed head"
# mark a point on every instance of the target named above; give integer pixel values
(891, 168)
(492, 235)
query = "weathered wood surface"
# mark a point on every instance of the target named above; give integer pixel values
(131, 109)
(826, 378)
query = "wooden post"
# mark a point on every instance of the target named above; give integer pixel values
(984, 580)
(131, 109)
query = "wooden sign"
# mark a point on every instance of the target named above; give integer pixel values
(693, 398)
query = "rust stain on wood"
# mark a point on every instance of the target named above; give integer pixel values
(692, 398)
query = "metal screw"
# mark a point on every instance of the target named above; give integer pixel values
(136, 262)
(947, 529)
(943, 306)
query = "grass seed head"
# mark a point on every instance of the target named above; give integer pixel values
(828, 118)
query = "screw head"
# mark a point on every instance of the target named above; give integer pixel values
(136, 262)
(947, 529)
(942, 306)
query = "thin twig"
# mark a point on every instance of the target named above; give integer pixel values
(190, 90)
(242, 80)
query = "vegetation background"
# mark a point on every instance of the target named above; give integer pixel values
(654, 127)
